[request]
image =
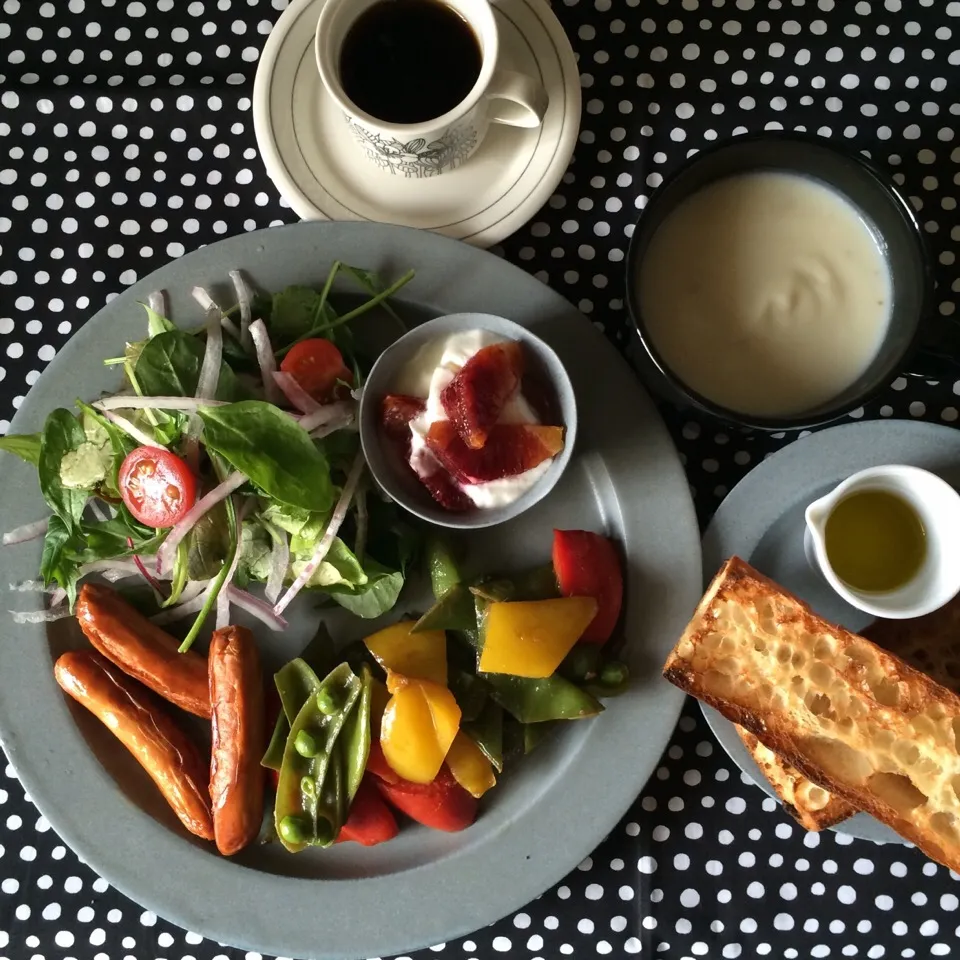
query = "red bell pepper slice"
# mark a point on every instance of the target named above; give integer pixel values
(587, 565)
(441, 805)
(370, 820)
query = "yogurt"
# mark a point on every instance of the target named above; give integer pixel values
(431, 370)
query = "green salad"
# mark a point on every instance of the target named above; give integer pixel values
(230, 457)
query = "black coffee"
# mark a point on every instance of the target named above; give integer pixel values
(407, 61)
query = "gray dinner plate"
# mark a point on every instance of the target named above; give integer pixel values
(545, 815)
(761, 521)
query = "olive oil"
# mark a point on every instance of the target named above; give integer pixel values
(875, 541)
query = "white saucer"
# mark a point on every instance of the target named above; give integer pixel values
(322, 173)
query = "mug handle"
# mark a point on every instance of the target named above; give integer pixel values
(937, 356)
(522, 100)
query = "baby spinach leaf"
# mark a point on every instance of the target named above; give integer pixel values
(24, 445)
(277, 455)
(157, 324)
(376, 597)
(297, 311)
(62, 434)
(169, 365)
(207, 544)
(57, 565)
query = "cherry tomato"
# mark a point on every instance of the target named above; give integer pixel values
(316, 365)
(157, 486)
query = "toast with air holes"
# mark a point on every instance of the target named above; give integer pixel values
(931, 644)
(851, 717)
(810, 805)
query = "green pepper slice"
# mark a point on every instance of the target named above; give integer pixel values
(469, 691)
(304, 813)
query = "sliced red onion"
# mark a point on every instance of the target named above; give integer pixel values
(158, 591)
(323, 547)
(30, 586)
(169, 546)
(186, 404)
(256, 608)
(112, 570)
(128, 428)
(57, 596)
(279, 561)
(212, 356)
(156, 302)
(202, 296)
(266, 360)
(340, 413)
(40, 616)
(181, 610)
(97, 510)
(246, 307)
(29, 531)
(297, 396)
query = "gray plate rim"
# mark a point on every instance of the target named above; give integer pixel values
(758, 500)
(495, 868)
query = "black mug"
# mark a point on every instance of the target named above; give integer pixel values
(915, 344)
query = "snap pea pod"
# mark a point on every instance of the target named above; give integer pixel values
(355, 738)
(273, 757)
(302, 814)
(453, 611)
(534, 733)
(486, 731)
(444, 573)
(536, 700)
(469, 691)
(612, 680)
(296, 683)
(537, 583)
(332, 804)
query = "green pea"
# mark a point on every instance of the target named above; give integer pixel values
(293, 830)
(327, 702)
(581, 662)
(614, 674)
(306, 745)
(308, 787)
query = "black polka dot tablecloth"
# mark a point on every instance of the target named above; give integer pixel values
(126, 139)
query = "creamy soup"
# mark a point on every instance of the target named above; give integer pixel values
(766, 293)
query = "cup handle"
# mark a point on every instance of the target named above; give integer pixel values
(519, 100)
(937, 357)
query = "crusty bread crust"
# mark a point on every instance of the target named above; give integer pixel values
(850, 716)
(931, 644)
(809, 804)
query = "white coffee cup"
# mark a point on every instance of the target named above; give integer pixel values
(434, 146)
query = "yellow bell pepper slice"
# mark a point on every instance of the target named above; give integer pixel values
(419, 724)
(379, 698)
(531, 638)
(422, 656)
(470, 768)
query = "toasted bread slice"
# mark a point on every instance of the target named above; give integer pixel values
(851, 717)
(811, 806)
(931, 644)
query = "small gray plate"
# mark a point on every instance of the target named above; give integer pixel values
(424, 887)
(761, 521)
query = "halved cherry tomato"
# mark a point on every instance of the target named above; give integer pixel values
(157, 486)
(370, 821)
(316, 365)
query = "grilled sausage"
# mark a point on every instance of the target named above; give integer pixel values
(142, 650)
(236, 777)
(139, 723)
